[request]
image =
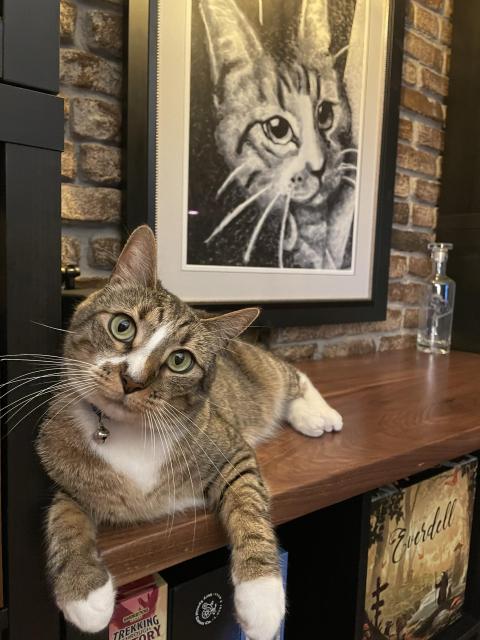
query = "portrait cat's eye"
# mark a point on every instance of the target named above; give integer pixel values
(283, 146)
(159, 409)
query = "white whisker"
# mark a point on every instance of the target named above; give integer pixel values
(340, 53)
(85, 392)
(230, 217)
(282, 231)
(48, 326)
(229, 178)
(169, 447)
(31, 379)
(173, 431)
(80, 397)
(166, 455)
(351, 150)
(22, 402)
(204, 433)
(258, 228)
(349, 181)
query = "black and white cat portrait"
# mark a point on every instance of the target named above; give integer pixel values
(273, 138)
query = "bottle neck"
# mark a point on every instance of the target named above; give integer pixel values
(440, 267)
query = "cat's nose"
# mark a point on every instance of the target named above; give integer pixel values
(129, 385)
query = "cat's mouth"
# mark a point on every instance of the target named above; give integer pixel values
(315, 199)
(118, 408)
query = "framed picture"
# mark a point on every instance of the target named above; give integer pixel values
(262, 137)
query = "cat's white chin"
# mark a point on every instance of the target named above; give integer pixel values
(260, 606)
(113, 409)
(95, 612)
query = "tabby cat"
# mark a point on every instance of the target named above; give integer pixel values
(284, 130)
(167, 407)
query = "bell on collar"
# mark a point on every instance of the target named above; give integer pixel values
(102, 433)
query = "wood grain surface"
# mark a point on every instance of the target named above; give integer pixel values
(403, 412)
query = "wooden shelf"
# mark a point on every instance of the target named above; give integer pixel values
(403, 412)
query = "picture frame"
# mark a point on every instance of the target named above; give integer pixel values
(157, 186)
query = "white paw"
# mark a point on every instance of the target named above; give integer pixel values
(94, 613)
(260, 606)
(310, 414)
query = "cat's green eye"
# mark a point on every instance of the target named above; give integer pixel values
(180, 361)
(325, 115)
(122, 328)
(278, 130)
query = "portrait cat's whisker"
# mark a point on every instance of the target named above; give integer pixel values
(340, 53)
(349, 181)
(347, 166)
(283, 227)
(230, 178)
(258, 228)
(345, 151)
(230, 217)
(48, 326)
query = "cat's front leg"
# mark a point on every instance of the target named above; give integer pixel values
(82, 586)
(243, 505)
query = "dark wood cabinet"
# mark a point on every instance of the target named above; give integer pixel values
(459, 210)
(31, 140)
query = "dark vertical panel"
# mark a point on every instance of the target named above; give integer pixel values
(29, 291)
(140, 133)
(30, 117)
(459, 207)
(461, 165)
(31, 43)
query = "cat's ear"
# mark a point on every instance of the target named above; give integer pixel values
(137, 263)
(230, 38)
(231, 325)
(314, 29)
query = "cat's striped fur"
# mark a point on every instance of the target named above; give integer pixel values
(177, 440)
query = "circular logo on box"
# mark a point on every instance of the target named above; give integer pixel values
(208, 609)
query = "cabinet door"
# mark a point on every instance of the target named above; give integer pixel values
(30, 43)
(29, 293)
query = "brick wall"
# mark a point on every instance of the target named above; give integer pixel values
(91, 73)
(91, 82)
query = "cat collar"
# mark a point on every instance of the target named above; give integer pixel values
(102, 433)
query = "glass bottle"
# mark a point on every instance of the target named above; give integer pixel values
(436, 313)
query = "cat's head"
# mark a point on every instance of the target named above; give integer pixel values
(280, 125)
(135, 347)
